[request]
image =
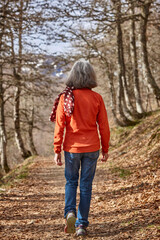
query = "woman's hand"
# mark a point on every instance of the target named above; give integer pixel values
(57, 159)
(105, 157)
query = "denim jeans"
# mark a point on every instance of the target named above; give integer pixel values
(73, 162)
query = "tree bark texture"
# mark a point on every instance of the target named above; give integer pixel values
(3, 137)
(123, 102)
(30, 131)
(112, 94)
(133, 51)
(24, 153)
(146, 67)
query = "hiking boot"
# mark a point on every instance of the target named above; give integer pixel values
(81, 230)
(70, 223)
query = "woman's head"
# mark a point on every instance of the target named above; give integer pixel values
(82, 75)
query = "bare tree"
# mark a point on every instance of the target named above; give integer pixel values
(3, 138)
(24, 153)
(148, 76)
(134, 59)
(124, 104)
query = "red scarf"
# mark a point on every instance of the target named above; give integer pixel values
(68, 103)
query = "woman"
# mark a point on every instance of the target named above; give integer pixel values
(80, 111)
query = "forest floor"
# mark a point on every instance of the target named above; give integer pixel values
(126, 192)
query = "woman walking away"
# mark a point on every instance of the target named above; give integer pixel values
(80, 111)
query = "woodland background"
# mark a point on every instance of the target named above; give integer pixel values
(120, 38)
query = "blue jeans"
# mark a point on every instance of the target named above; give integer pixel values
(88, 162)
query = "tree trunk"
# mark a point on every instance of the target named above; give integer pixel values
(3, 138)
(125, 106)
(30, 131)
(126, 110)
(120, 100)
(112, 94)
(24, 153)
(146, 67)
(133, 52)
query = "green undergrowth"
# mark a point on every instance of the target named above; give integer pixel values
(119, 171)
(120, 135)
(17, 174)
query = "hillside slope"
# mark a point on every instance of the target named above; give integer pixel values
(138, 147)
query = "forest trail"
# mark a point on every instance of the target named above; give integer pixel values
(125, 201)
(120, 209)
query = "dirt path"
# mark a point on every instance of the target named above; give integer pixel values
(120, 209)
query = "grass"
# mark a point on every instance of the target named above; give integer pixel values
(119, 135)
(17, 174)
(125, 224)
(152, 226)
(121, 172)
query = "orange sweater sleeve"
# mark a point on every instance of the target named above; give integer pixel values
(59, 126)
(102, 120)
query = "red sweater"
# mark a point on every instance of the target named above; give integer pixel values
(81, 133)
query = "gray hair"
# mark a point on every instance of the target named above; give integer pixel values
(82, 75)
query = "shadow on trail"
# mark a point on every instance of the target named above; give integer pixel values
(113, 229)
(124, 191)
(32, 228)
(32, 197)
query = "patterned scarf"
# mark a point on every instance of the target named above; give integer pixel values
(68, 103)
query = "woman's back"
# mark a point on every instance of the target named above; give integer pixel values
(81, 127)
(86, 108)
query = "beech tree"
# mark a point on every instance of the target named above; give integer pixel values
(148, 76)
(3, 138)
(17, 77)
(134, 60)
